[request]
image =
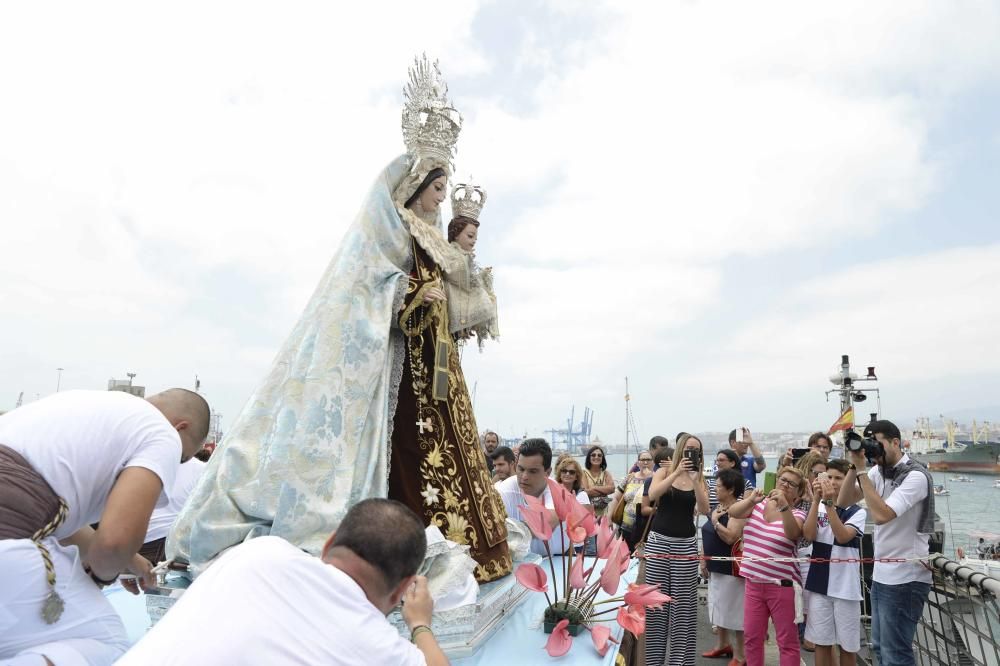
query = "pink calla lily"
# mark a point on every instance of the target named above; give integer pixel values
(533, 501)
(537, 520)
(605, 537)
(611, 575)
(577, 576)
(632, 619)
(559, 641)
(532, 577)
(646, 595)
(580, 524)
(601, 635)
(561, 499)
(625, 560)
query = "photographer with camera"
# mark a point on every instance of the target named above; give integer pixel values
(897, 492)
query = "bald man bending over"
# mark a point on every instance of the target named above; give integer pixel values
(69, 460)
(281, 605)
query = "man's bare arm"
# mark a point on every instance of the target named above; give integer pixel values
(124, 522)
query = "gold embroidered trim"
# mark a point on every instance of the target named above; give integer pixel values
(447, 504)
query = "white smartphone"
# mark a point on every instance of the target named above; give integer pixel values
(822, 476)
(739, 434)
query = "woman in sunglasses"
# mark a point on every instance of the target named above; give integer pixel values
(771, 533)
(597, 480)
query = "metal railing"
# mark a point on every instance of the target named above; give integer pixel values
(961, 620)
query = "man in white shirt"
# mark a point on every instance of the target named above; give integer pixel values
(154, 545)
(751, 464)
(532, 470)
(275, 604)
(897, 494)
(67, 461)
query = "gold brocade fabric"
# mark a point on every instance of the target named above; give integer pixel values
(437, 466)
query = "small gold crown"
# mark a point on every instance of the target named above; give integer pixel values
(431, 125)
(467, 200)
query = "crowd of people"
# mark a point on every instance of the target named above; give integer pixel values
(771, 558)
(788, 557)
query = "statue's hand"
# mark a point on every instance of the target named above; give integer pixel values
(434, 294)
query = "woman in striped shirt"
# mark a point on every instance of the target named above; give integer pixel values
(771, 533)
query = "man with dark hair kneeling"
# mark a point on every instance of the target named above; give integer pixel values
(275, 604)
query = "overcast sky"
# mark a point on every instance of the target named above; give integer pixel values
(714, 199)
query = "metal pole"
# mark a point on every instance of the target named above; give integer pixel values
(59, 372)
(846, 401)
(627, 398)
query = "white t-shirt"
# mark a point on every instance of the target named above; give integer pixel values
(513, 500)
(837, 579)
(267, 602)
(899, 536)
(163, 518)
(80, 441)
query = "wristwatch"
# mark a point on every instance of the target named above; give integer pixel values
(851, 467)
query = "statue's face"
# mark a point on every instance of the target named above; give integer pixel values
(431, 198)
(466, 238)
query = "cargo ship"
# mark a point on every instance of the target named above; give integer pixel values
(976, 456)
(966, 457)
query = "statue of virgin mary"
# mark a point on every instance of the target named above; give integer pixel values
(366, 398)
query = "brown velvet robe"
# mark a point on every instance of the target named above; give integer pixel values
(439, 471)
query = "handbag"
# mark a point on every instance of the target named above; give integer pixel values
(618, 515)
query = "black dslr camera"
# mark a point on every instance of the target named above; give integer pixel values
(871, 447)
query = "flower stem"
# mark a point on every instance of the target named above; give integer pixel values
(604, 612)
(552, 566)
(609, 601)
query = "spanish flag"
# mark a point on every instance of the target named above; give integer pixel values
(845, 422)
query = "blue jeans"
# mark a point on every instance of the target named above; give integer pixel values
(896, 609)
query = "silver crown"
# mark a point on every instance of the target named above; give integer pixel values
(467, 200)
(431, 125)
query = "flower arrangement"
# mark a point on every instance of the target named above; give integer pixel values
(576, 607)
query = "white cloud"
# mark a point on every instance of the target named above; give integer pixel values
(924, 318)
(146, 155)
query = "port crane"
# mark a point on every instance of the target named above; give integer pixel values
(573, 437)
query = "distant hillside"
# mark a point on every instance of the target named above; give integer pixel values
(963, 416)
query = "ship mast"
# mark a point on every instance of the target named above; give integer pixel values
(848, 391)
(627, 398)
